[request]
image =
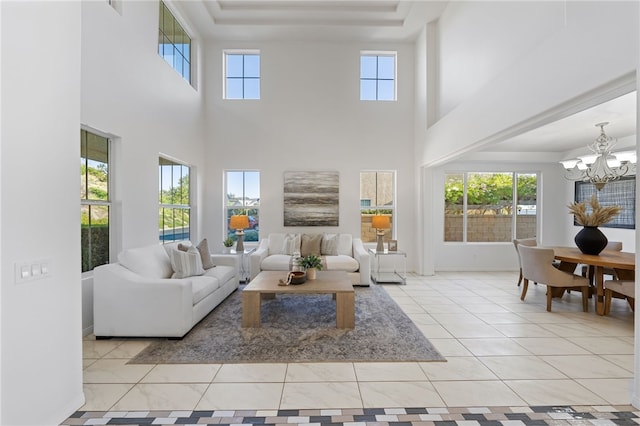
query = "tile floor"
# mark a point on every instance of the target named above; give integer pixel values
(501, 352)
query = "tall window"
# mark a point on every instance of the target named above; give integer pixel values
(174, 45)
(378, 76)
(480, 206)
(94, 200)
(242, 75)
(242, 196)
(175, 206)
(377, 197)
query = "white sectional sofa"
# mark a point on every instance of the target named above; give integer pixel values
(340, 252)
(160, 291)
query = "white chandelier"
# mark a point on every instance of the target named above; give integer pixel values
(603, 166)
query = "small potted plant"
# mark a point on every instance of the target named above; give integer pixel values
(311, 263)
(227, 243)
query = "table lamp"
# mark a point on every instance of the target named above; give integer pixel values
(239, 222)
(380, 223)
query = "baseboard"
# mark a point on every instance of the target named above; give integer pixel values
(87, 331)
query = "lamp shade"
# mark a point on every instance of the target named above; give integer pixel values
(239, 222)
(380, 222)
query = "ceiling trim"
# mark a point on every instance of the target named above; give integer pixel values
(309, 6)
(618, 87)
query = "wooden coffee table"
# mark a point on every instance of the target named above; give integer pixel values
(265, 285)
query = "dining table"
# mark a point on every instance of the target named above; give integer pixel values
(623, 263)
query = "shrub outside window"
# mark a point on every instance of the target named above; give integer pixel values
(242, 197)
(480, 206)
(377, 197)
(378, 76)
(95, 200)
(174, 45)
(241, 75)
(174, 196)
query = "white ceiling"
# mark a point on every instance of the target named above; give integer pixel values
(577, 130)
(331, 20)
(386, 21)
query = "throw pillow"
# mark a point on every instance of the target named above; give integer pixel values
(291, 244)
(186, 263)
(329, 245)
(310, 244)
(205, 254)
(183, 247)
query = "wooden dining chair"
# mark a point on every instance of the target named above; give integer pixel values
(530, 242)
(625, 289)
(537, 266)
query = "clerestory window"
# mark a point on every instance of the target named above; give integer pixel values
(174, 44)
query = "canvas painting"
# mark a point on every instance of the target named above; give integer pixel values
(311, 198)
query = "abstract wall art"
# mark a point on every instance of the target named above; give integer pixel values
(311, 198)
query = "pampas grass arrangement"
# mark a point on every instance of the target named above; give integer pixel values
(599, 215)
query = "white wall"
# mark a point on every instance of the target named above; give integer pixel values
(310, 118)
(131, 93)
(494, 35)
(597, 45)
(41, 340)
(487, 101)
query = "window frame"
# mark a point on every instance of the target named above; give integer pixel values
(175, 206)
(618, 221)
(172, 41)
(100, 203)
(514, 204)
(225, 78)
(227, 208)
(377, 207)
(377, 54)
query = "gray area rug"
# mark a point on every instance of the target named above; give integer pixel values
(298, 329)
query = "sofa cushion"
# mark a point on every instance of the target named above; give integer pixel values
(329, 246)
(186, 263)
(342, 263)
(276, 262)
(310, 244)
(202, 286)
(222, 273)
(151, 261)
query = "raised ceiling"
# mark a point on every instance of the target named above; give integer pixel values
(362, 20)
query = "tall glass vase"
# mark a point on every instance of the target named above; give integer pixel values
(591, 240)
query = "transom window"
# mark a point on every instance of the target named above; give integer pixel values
(174, 45)
(242, 197)
(377, 197)
(242, 74)
(378, 76)
(175, 206)
(95, 200)
(490, 207)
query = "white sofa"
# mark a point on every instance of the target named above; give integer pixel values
(340, 252)
(138, 296)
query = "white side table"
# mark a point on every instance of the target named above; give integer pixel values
(243, 262)
(393, 268)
